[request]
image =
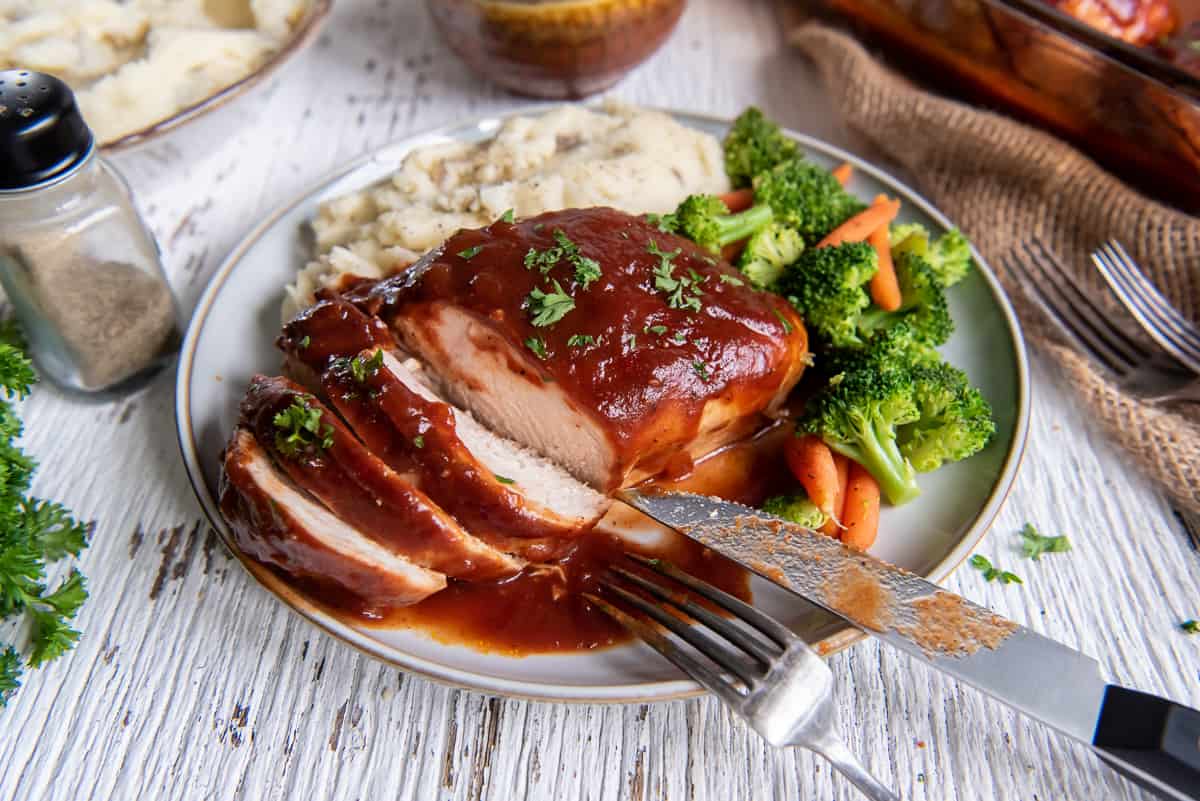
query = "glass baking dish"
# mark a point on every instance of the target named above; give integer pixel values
(1129, 107)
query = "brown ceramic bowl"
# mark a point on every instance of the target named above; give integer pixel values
(555, 48)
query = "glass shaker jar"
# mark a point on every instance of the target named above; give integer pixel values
(77, 263)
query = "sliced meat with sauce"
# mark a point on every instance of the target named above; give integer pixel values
(275, 523)
(329, 329)
(502, 493)
(643, 351)
(360, 488)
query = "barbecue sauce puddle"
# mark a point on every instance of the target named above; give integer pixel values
(542, 610)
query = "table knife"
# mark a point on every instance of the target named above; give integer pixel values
(1153, 741)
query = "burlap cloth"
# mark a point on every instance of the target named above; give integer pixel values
(1003, 182)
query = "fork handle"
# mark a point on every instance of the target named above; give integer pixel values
(1152, 741)
(848, 765)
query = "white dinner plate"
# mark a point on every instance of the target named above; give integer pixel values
(234, 327)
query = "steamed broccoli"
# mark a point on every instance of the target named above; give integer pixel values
(706, 220)
(795, 508)
(895, 346)
(754, 144)
(949, 256)
(858, 414)
(806, 197)
(826, 285)
(772, 248)
(955, 420)
(922, 304)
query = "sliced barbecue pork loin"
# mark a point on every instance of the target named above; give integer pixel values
(596, 340)
(354, 484)
(277, 524)
(501, 492)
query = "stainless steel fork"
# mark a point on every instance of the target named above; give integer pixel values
(1170, 329)
(757, 667)
(1140, 371)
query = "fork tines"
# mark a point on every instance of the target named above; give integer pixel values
(1052, 286)
(1156, 314)
(728, 656)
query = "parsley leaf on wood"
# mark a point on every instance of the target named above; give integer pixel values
(1190, 626)
(990, 573)
(1033, 544)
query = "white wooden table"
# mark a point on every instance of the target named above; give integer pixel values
(191, 682)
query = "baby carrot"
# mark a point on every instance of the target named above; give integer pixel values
(833, 526)
(860, 516)
(843, 172)
(812, 464)
(885, 289)
(861, 225)
(738, 199)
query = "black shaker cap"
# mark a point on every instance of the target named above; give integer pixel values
(42, 133)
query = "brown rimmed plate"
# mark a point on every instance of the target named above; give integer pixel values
(230, 338)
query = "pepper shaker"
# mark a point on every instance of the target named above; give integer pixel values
(77, 263)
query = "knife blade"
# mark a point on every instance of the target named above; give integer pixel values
(1149, 739)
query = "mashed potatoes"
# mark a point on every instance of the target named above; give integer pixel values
(137, 62)
(620, 156)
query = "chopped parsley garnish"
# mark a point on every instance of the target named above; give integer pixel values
(1190, 626)
(503, 479)
(667, 223)
(587, 270)
(656, 329)
(305, 342)
(361, 368)
(674, 286)
(701, 369)
(984, 566)
(632, 340)
(680, 338)
(508, 217)
(732, 280)
(34, 534)
(471, 252)
(536, 345)
(300, 429)
(1033, 544)
(787, 326)
(580, 340)
(548, 308)
(418, 441)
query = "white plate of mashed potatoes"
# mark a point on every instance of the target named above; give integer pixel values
(375, 215)
(140, 68)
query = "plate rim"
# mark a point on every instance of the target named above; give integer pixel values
(642, 692)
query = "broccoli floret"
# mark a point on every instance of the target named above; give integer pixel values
(857, 414)
(706, 220)
(795, 508)
(891, 347)
(772, 248)
(949, 256)
(806, 197)
(754, 144)
(955, 422)
(826, 285)
(922, 304)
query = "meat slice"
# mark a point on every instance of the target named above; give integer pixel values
(329, 329)
(502, 493)
(275, 523)
(649, 350)
(361, 489)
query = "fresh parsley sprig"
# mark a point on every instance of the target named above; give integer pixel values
(33, 534)
(300, 430)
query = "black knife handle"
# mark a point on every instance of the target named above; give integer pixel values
(1153, 741)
